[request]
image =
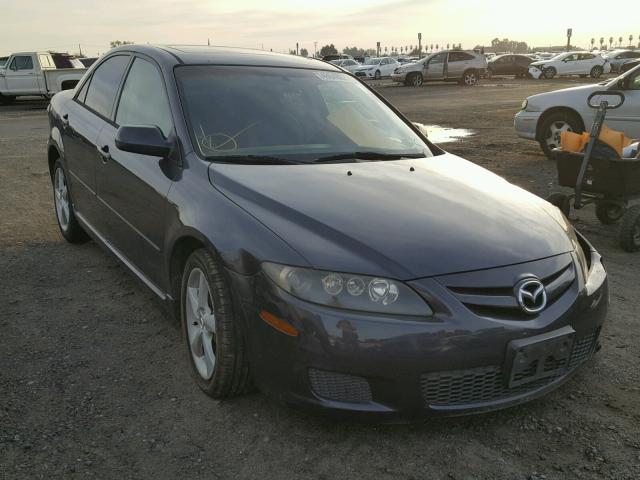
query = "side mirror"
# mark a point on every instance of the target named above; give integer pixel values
(144, 140)
(422, 128)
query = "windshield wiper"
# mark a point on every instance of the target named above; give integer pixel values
(253, 160)
(367, 156)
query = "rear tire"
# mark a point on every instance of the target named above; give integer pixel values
(215, 346)
(549, 73)
(596, 71)
(561, 201)
(609, 212)
(549, 131)
(65, 214)
(469, 78)
(629, 235)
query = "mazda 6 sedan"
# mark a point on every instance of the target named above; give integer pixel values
(313, 243)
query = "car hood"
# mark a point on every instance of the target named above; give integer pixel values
(538, 63)
(383, 218)
(574, 97)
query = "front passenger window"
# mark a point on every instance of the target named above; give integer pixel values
(144, 99)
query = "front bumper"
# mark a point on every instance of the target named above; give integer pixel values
(365, 73)
(399, 77)
(389, 369)
(526, 124)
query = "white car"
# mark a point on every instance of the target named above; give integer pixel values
(545, 116)
(377, 68)
(349, 65)
(570, 63)
(617, 58)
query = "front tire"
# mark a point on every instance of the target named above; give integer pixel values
(214, 343)
(596, 71)
(549, 73)
(7, 99)
(551, 128)
(377, 75)
(609, 212)
(416, 79)
(65, 215)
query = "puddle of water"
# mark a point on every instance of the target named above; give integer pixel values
(438, 134)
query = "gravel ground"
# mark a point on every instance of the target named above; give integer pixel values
(94, 379)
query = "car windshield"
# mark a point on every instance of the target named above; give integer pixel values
(297, 114)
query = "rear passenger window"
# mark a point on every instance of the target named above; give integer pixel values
(144, 100)
(104, 84)
(459, 57)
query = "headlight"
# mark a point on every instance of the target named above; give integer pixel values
(525, 103)
(348, 291)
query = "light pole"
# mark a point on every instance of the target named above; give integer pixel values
(419, 46)
(315, 49)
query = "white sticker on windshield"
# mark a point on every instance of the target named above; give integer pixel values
(332, 76)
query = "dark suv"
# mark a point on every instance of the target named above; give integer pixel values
(313, 242)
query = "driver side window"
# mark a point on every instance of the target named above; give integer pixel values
(437, 59)
(634, 82)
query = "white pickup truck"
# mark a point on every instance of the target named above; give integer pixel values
(35, 73)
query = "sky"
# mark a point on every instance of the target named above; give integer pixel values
(62, 25)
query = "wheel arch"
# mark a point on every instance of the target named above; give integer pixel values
(554, 110)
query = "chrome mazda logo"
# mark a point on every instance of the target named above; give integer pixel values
(531, 295)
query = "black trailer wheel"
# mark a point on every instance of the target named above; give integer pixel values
(609, 212)
(629, 236)
(561, 201)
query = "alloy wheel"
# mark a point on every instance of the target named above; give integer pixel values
(552, 138)
(61, 198)
(201, 323)
(470, 79)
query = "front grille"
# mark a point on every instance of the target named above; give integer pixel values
(339, 386)
(499, 301)
(486, 384)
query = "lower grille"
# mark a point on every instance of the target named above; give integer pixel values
(486, 384)
(340, 386)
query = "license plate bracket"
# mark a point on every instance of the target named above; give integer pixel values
(534, 358)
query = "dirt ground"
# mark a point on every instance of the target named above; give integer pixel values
(94, 380)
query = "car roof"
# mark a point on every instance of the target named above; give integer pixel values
(203, 55)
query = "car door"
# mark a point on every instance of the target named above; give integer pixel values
(21, 76)
(131, 187)
(435, 67)
(627, 118)
(83, 120)
(569, 65)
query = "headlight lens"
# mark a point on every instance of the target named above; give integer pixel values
(348, 291)
(525, 104)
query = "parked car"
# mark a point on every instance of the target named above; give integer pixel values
(3, 61)
(629, 65)
(377, 68)
(620, 57)
(35, 73)
(545, 116)
(348, 64)
(449, 65)
(296, 283)
(510, 64)
(338, 56)
(570, 63)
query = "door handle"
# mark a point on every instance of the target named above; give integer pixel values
(104, 153)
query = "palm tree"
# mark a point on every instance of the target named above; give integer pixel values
(437, 47)
(447, 46)
(610, 42)
(631, 40)
(593, 40)
(601, 42)
(432, 47)
(620, 41)
(385, 50)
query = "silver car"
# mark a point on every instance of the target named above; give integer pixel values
(545, 116)
(620, 57)
(465, 67)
